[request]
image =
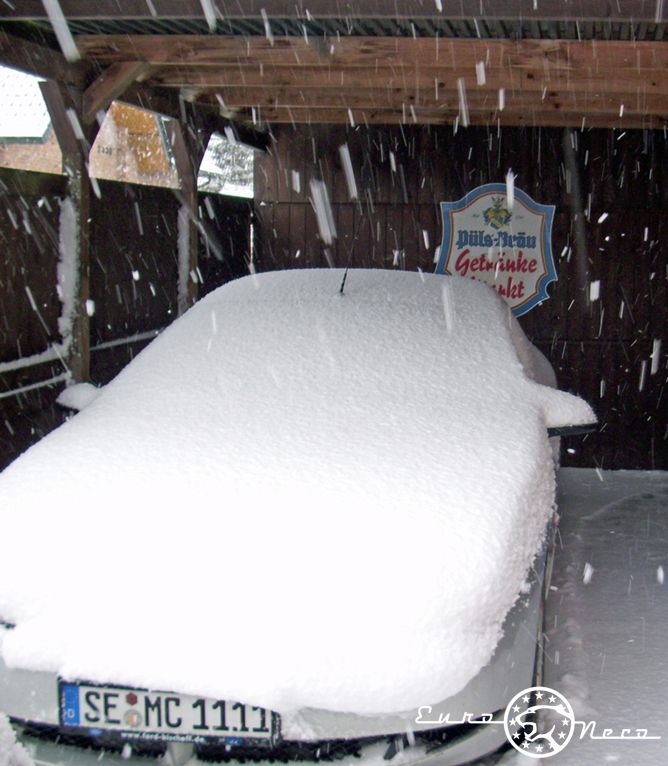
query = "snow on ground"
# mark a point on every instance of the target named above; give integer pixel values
(271, 483)
(11, 752)
(608, 614)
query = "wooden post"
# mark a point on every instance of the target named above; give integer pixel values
(65, 108)
(188, 149)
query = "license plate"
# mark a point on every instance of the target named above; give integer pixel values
(136, 714)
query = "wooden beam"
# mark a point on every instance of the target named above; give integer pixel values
(38, 60)
(185, 163)
(188, 147)
(601, 10)
(530, 118)
(63, 117)
(431, 78)
(635, 102)
(595, 78)
(65, 109)
(111, 84)
(358, 51)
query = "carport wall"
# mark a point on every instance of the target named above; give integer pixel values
(133, 285)
(605, 350)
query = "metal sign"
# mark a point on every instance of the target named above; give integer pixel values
(505, 243)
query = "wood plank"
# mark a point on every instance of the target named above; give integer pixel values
(65, 111)
(111, 84)
(590, 10)
(531, 118)
(186, 166)
(430, 79)
(398, 98)
(360, 51)
(58, 103)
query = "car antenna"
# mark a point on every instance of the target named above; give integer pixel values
(350, 254)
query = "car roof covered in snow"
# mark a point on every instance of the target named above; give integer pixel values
(331, 500)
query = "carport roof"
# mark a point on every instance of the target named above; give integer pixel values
(485, 19)
(591, 63)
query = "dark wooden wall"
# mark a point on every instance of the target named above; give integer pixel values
(403, 174)
(29, 246)
(133, 283)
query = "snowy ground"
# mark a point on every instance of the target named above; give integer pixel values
(608, 628)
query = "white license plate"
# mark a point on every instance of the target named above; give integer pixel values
(148, 715)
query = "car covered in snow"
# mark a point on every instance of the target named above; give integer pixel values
(305, 521)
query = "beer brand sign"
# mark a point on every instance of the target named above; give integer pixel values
(507, 246)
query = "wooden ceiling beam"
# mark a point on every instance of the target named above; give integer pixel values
(430, 79)
(353, 51)
(532, 118)
(589, 103)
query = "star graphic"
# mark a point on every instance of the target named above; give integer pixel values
(526, 698)
(525, 745)
(539, 748)
(552, 698)
(539, 695)
(516, 735)
(513, 722)
(516, 709)
(565, 722)
(561, 735)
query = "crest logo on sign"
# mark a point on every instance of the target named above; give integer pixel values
(507, 246)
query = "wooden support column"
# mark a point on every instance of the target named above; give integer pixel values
(188, 146)
(65, 108)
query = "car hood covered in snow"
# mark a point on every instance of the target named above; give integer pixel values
(291, 498)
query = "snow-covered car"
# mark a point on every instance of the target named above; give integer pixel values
(303, 522)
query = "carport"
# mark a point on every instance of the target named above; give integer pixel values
(428, 100)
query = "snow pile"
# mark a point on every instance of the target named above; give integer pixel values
(78, 396)
(291, 498)
(11, 752)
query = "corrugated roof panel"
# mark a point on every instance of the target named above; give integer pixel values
(346, 25)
